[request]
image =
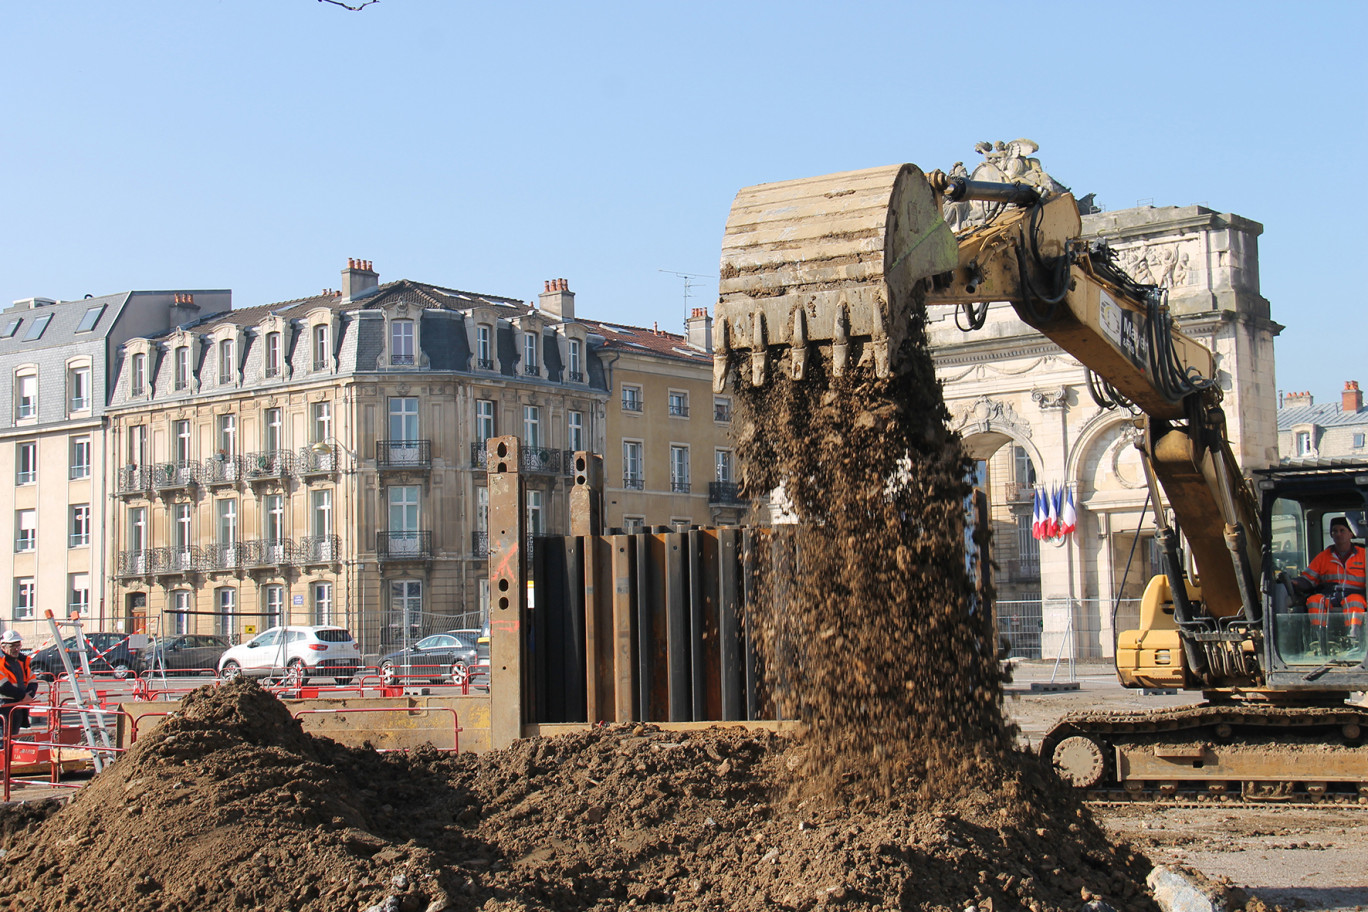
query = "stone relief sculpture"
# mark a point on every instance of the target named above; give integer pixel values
(1162, 263)
(1003, 162)
(985, 414)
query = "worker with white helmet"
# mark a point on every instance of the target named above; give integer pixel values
(17, 684)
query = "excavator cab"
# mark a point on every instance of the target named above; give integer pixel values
(1311, 646)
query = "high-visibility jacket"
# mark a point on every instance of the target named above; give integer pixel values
(1332, 575)
(7, 675)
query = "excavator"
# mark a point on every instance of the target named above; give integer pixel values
(837, 267)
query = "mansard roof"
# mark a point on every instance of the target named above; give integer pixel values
(639, 340)
(1326, 415)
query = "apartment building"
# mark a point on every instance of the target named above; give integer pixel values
(322, 460)
(55, 363)
(669, 457)
(1330, 430)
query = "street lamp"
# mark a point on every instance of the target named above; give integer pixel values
(325, 447)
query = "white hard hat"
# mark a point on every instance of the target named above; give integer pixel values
(11, 636)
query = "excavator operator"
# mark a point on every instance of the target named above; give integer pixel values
(1335, 581)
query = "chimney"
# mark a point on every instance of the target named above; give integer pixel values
(698, 329)
(1292, 400)
(183, 309)
(358, 279)
(1351, 400)
(557, 300)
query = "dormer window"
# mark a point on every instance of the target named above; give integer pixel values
(226, 361)
(530, 353)
(26, 396)
(137, 384)
(1303, 443)
(576, 366)
(484, 347)
(182, 368)
(320, 347)
(273, 354)
(401, 342)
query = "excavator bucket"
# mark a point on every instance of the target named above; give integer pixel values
(831, 262)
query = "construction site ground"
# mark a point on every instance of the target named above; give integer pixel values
(1290, 857)
(1293, 857)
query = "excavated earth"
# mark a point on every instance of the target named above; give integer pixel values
(232, 806)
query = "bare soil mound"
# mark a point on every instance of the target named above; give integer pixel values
(232, 806)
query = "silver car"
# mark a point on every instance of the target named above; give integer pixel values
(296, 653)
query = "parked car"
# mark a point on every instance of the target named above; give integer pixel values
(108, 654)
(438, 658)
(296, 652)
(481, 640)
(193, 652)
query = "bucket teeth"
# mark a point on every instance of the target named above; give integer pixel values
(798, 353)
(721, 353)
(840, 341)
(759, 352)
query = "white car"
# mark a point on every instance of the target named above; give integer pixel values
(298, 653)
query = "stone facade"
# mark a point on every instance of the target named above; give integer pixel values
(1025, 412)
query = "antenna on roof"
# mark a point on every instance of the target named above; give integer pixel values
(687, 276)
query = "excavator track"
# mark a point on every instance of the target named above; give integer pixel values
(1231, 754)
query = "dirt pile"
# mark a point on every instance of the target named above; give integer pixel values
(231, 806)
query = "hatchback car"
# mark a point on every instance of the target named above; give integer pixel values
(438, 658)
(298, 653)
(192, 653)
(108, 654)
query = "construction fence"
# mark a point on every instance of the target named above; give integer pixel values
(1065, 628)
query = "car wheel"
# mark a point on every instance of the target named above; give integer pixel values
(120, 671)
(460, 673)
(388, 674)
(295, 673)
(230, 670)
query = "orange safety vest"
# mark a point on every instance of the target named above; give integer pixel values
(7, 676)
(1330, 574)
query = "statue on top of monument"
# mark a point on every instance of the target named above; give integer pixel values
(1003, 162)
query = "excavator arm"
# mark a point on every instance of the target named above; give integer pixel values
(837, 267)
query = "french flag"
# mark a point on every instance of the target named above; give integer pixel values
(1038, 516)
(1052, 518)
(1068, 516)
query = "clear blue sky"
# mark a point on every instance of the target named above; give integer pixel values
(257, 144)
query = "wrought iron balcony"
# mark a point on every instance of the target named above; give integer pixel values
(403, 546)
(133, 479)
(135, 563)
(403, 454)
(268, 464)
(633, 482)
(575, 376)
(679, 410)
(479, 543)
(170, 476)
(479, 455)
(544, 461)
(314, 462)
(722, 412)
(631, 404)
(678, 486)
(318, 549)
(725, 492)
(222, 470)
(177, 561)
(266, 553)
(532, 370)
(1019, 492)
(225, 556)
(484, 364)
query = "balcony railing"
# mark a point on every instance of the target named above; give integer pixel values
(225, 556)
(169, 476)
(309, 461)
(318, 549)
(532, 370)
(479, 545)
(1019, 492)
(403, 546)
(679, 410)
(268, 464)
(132, 479)
(266, 553)
(172, 561)
(135, 563)
(631, 405)
(543, 461)
(479, 455)
(403, 454)
(678, 487)
(633, 482)
(575, 376)
(722, 412)
(724, 492)
(484, 364)
(222, 469)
